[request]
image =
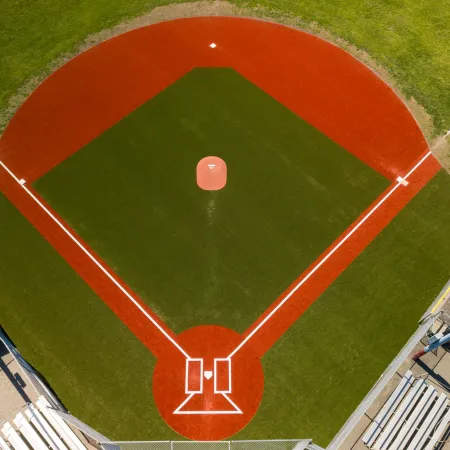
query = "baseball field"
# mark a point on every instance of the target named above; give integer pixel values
(266, 309)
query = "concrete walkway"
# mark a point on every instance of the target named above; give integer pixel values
(15, 390)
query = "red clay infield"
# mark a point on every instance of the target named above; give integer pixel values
(227, 401)
(316, 80)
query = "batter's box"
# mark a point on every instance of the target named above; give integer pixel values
(194, 376)
(211, 398)
(222, 376)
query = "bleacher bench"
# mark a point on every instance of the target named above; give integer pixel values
(38, 428)
(414, 418)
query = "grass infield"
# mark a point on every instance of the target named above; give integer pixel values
(219, 257)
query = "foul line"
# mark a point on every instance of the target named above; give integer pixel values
(89, 255)
(328, 256)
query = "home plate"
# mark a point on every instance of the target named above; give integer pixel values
(208, 374)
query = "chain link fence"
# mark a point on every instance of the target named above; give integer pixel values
(278, 444)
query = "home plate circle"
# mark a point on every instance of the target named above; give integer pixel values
(208, 396)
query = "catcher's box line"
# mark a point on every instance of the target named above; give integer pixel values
(236, 410)
(190, 392)
(400, 182)
(21, 183)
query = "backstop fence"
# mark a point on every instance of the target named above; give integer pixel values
(273, 444)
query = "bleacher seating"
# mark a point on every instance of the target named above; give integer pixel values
(413, 418)
(38, 428)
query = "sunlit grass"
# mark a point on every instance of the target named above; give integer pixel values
(409, 37)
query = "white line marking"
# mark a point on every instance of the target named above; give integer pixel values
(327, 256)
(236, 410)
(402, 181)
(201, 372)
(186, 377)
(88, 254)
(226, 391)
(177, 411)
(234, 404)
(192, 391)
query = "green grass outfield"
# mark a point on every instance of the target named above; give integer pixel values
(362, 320)
(103, 374)
(222, 257)
(96, 365)
(409, 37)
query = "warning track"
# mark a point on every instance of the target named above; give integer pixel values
(318, 81)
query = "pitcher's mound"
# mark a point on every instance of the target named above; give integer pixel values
(211, 173)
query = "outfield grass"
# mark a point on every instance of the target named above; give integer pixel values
(99, 369)
(320, 370)
(221, 257)
(410, 38)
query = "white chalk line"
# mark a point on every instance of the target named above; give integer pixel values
(177, 410)
(186, 383)
(328, 255)
(220, 391)
(89, 255)
(206, 412)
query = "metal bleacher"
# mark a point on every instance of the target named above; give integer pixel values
(38, 428)
(414, 418)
